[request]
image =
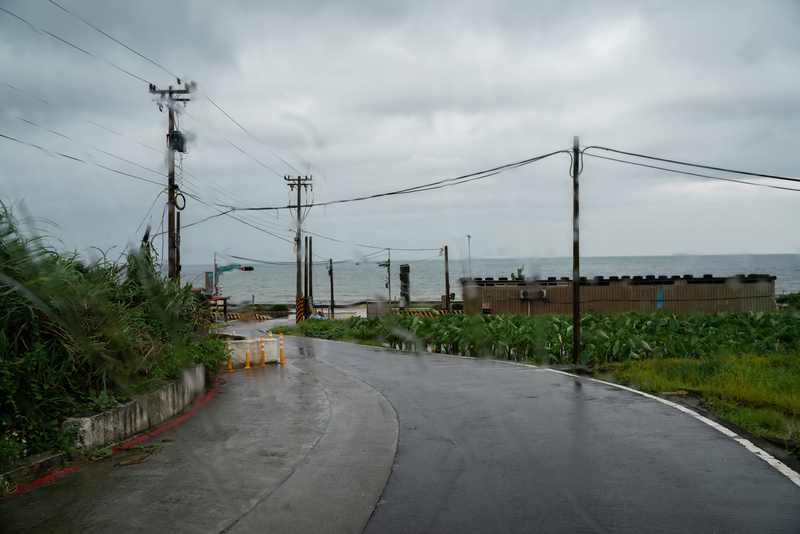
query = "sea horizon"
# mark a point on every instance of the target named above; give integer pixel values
(354, 281)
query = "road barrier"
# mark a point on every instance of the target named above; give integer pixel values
(242, 354)
(236, 316)
(263, 354)
(428, 313)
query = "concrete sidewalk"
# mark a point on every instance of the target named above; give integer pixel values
(302, 447)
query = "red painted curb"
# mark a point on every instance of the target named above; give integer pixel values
(170, 424)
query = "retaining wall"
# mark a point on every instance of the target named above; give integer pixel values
(135, 417)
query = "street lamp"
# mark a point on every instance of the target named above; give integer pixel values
(469, 249)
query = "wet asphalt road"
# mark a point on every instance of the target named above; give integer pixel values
(490, 447)
(481, 446)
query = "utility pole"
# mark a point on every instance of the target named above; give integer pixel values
(305, 279)
(469, 251)
(576, 257)
(310, 272)
(175, 141)
(178, 245)
(216, 277)
(300, 182)
(388, 265)
(389, 276)
(446, 283)
(330, 273)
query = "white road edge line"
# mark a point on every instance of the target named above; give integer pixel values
(747, 444)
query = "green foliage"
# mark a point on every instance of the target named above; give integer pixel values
(792, 299)
(11, 449)
(605, 338)
(278, 307)
(76, 337)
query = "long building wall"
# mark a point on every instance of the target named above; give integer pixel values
(677, 294)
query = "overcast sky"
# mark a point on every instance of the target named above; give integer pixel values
(370, 97)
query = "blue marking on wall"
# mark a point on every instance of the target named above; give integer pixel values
(660, 296)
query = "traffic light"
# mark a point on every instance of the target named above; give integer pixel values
(247, 268)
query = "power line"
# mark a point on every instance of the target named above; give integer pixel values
(31, 95)
(709, 167)
(174, 76)
(371, 246)
(693, 173)
(74, 141)
(198, 121)
(37, 29)
(248, 133)
(188, 187)
(81, 160)
(448, 182)
(113, 39)
(323, 260)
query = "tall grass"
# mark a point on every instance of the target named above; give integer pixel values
(77, 336)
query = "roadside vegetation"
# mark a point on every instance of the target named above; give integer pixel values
(743, 367)
(78, 337)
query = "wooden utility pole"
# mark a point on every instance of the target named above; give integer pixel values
(388, 265)
(300, 182)
(446, 283)
(174, 142)
(576, 257)
(330, 273)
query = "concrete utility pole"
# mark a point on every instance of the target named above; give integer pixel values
(300, 182)
(446, 283)
(311, 271)
(389, 276)
(305, 279)
(576, 257)
(174, 142)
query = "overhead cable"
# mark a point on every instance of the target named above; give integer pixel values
(37, 29)
(82, 161)
(31, 95)
(709, 167)
(233, 145)
(90, 146)
(677, 171)
(173, 75)
(248, 133)
(113, 39)
(448, 182)
(371, 246)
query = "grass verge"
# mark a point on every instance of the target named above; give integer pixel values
(759, 393)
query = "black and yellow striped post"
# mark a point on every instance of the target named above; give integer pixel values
(299, 307)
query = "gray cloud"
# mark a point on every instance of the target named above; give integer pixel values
(373, 96)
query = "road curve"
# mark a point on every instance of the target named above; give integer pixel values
(490, 447)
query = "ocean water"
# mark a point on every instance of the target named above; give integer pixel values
(275, 283)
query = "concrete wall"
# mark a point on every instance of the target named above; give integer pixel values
(677, 294)
(140, 415)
